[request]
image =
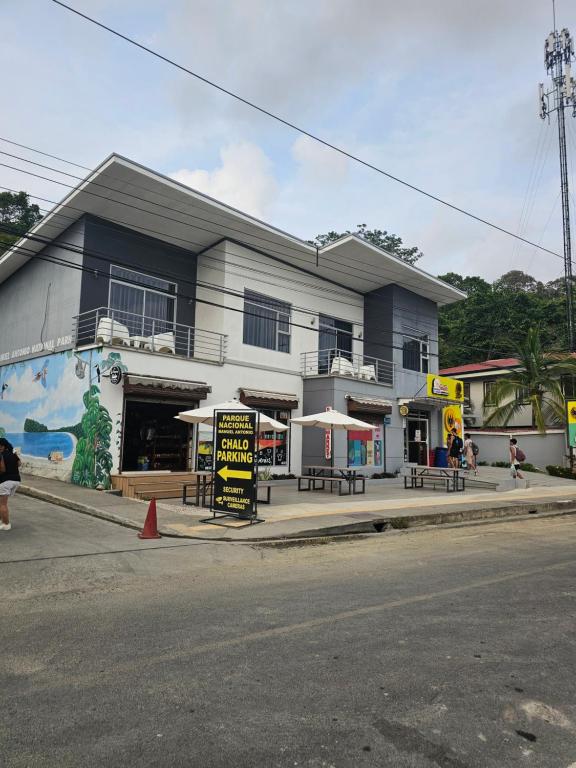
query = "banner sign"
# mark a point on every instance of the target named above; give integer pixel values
(235, 462)
(328, 440)
(571, 422)
(452, 419)
(444, 388)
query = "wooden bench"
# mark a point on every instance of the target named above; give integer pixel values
(267, 485)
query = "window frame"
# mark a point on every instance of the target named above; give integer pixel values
(283, 317)
(277, 413)
(113, 280)
(487, 386)
(423, 352)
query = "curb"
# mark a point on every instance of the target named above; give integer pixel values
(377, 525)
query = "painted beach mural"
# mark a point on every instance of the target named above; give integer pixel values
(50, 411)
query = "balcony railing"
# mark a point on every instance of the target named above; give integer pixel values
(338, 362)
(113, 326)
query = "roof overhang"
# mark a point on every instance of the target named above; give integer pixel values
(136, 197)
(157, 386)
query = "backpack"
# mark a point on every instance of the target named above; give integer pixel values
(475, 449)
(520, 455)
(457, 443)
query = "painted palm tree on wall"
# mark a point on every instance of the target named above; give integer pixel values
(537, 383)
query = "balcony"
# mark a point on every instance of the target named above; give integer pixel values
(337, 362)
(113, 326)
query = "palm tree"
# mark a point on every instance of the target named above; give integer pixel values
(536, 383)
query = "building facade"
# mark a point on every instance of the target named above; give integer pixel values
(478, 381)
(137, 298)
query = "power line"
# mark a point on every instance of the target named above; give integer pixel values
(304, 132)
(81, 251)
(326, 261)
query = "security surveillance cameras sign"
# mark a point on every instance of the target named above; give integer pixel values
(235, 463)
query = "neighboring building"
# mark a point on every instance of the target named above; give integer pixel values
(479, 379)
(137, 298)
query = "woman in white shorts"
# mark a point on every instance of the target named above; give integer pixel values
(9, 480)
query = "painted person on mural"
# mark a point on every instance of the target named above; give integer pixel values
(9, 480)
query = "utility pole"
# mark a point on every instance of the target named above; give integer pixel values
(558, 58)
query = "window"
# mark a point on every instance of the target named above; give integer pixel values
(335, 338)
(416, 354)
(146, 305)
(489, 393)
(266, 322)
(569, 387)
(273, 446)
(467, 392)
(523, 395)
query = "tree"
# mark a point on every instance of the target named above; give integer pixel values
(516, 280)
(536, 383)
(378, 237)
(17, 216)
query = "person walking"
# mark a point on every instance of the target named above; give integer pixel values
(516, 457)
(469, 454)
(9, 480)
(455, 449)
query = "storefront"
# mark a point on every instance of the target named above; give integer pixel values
(153, 439)
(273, 447)
(368, 449)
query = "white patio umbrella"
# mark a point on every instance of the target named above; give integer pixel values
(332, 420)
(205, 415)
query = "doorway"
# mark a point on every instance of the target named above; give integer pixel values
(153, 438)
(416, 439)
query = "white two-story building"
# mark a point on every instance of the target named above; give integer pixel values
(190, 302)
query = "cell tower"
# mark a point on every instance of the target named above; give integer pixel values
(558, 58)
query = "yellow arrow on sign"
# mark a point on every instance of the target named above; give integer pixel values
(240, 474)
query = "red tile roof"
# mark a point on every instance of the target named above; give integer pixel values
(487, 365)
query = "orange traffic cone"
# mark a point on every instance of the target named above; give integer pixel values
(150, 530)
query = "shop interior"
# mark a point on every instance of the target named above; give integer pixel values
(153, 438)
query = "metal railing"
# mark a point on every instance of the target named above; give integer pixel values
(338, 362)
(113, 326)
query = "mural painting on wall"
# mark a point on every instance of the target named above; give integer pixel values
(50, 411)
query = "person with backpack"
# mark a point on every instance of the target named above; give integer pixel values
(455, 449)
(517, 456)
(470, 453)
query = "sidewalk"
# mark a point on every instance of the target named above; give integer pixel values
(315, 516)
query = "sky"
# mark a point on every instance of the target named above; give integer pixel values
(442, 94)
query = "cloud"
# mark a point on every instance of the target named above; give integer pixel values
(244, 179)
(22, 388)
(319, 164)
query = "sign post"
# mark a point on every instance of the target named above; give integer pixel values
(571, 428)
(234, 467)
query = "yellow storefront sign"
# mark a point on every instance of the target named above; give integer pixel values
(444, 388)
(571, 412)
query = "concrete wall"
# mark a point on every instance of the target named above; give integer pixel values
(39, 301)
(234, 268)
(540, 450)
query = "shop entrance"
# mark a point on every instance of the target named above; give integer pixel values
(153, 438)
(416, 438)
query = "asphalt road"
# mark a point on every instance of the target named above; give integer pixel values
(451, 647)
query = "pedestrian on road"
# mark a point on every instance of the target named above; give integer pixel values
(469, 453)
(455, 449)
(515, 458)
(9, 480)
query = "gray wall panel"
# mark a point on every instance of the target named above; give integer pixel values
(39, 301)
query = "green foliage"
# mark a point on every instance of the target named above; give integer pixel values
(2, 431)
(495, 319)
(378, 237)
(17, 216)
(501, 464)
(537, 384)
(74, 429)
(557, 471)
(93, 460)
(30, 425)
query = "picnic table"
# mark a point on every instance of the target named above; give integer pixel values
(333, 475)
(420, 474)
(202, 486)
